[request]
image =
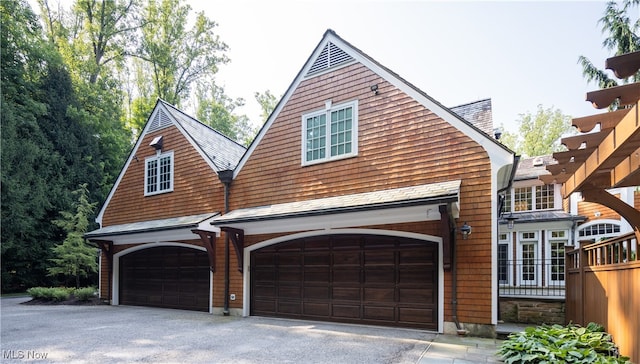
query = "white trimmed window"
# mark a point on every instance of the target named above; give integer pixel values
(158, 174)
(330, 134)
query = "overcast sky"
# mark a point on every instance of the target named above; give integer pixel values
(519, 54)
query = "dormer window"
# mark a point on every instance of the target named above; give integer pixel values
(330, 134)
(158, 172)
(530, 198)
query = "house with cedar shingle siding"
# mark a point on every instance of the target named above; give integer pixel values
(361, 200)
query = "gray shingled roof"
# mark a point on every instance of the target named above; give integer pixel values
(478, 113)
(532, 168)
(541, 216)
(223, 152)
(422, 194)
(151, 225)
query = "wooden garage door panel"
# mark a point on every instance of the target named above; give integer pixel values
(356, 278)
(171, 277)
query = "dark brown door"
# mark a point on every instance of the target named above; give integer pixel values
(366, 279)
(171, 277)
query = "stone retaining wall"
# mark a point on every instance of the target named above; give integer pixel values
(530, 311)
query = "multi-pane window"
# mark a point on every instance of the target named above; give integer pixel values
(330, 133)
(316, 137)
(557, 241)
(522, 199)
(507, 203)
(544, 197)
(528, 257)
(503, 263)
(600, 229)
(158, 173)
(530, 198)
(557, 261)
(528, 262)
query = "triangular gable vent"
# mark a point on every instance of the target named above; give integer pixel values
(330, 56)
(160, 120)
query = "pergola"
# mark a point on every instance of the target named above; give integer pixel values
(609, 156)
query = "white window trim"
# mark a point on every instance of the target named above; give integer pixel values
(557, 198)
(510, 260)
(157, 157)
(537, 252)
(551, 239)
(327, 110)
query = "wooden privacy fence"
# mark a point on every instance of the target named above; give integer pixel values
(603, 286)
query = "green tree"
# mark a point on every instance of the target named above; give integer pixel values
(179, 56)
(31, 189)
(216, 109)
(539, 133)
(268, 103)
(621, 37)
(74, 257)
(93, 38)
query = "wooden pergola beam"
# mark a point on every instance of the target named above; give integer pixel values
(591, 193)
(578, 155)
(590, 140)
(627, 172)
(606, 120)
(626, 94)
(625, 65)
(626, 130)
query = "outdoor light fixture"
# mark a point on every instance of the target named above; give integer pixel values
(465, 230)
(374, 89)
(157, 143)
(497, 133)
(510, 220)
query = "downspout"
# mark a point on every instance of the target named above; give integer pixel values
(226, 177)
(454, 284)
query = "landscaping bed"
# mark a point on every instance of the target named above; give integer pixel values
(63, 296)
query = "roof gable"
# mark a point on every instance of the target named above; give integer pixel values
(217, 150)
(347, 54)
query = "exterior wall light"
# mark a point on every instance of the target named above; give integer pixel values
(374, 89)
(156, 143)
(465, 230)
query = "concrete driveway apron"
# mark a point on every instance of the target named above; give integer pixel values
(127, 334)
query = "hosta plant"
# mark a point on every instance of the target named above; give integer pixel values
(561, 344)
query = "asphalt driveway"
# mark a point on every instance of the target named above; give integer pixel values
(125, 334)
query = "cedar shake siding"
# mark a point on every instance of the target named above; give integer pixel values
(196, 188)
(400, 143)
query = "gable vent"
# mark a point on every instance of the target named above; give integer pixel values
(160, 120)
(330, 56)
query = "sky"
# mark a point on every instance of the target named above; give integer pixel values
(519, 54)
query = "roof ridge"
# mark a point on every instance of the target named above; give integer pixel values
(200, 122)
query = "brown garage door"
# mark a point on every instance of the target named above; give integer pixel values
(365, 279)
(171, 277)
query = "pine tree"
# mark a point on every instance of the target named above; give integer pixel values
(74, 257)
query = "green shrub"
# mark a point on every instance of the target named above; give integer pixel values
(561, 344)
(85, 294)
(36, 292)
(49, 293)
